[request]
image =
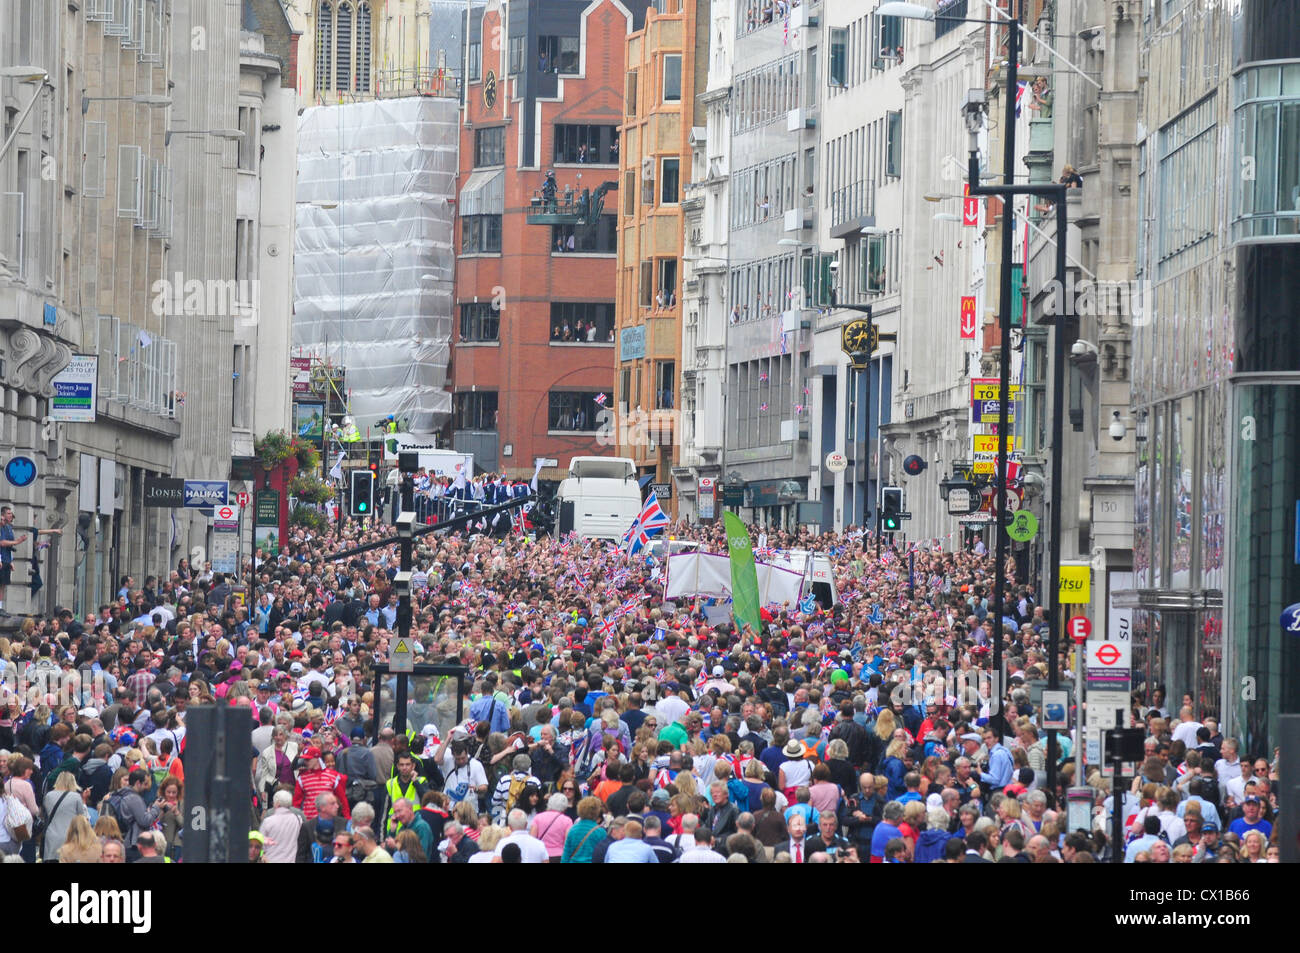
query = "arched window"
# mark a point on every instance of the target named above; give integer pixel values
(324, 45)
(363, 48)
(343, 49)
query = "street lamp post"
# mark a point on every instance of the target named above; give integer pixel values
(28, 74)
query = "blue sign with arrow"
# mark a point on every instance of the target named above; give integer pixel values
(21, 471)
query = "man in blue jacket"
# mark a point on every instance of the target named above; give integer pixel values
(1000, 765)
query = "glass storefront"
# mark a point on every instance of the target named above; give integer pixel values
(1266, 575)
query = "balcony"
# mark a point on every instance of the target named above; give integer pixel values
(852, 208)
(805, 117)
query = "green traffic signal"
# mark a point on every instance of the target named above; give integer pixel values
(890, 523)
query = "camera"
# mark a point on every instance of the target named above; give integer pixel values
(1116, 428)
(834, 265)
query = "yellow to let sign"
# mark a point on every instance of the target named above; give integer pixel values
(988, 443)
(990, 391)
(1075, 584)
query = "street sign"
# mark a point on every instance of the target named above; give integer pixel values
(401, 659)
(970, 208)
(1024, 526)
(663, 491)
(546, 461)
(1056, 710)
(706, 498)
(204, 493)
(266, 508)
(836, 462)
(968, 317)
(21, 471)
(164, 491)
(1074, 584)
(225, 514)
(1079, 628)
(1109, 662)
(959, 502)
(241, 499)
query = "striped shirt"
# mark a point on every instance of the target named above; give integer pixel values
(312, 784)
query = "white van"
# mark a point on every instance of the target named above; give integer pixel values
(599, 499)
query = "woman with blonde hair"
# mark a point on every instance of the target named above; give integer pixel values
(107, 828)
(465, 813)
(80, 845)
(62, 805)
(1253, 846)
(488, 839)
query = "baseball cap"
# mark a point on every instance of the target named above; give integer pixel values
(266, 687)
(971, 736)
(88, 713)
(312, 752)
(719, 671)
(1251, 798)
(295, 668)
(257, 836)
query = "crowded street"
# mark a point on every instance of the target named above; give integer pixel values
(591, 714)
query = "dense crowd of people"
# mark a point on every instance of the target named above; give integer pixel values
(597, 722)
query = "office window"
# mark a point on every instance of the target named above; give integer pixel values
(248, 125)
(665, 385)
(893, 144)
(812, 71)
(871, 277)
(474, 410)
(669, 186)
(490, 146)
(244, 254)
(475, 62)
(557, 54)
(602, 239)
(586, 144)
(646, 284)
(625, 387)
(590, 322)
(630, 92)
(572, 410)
(668, 279)
(888, 42)
(672, 78)
(480, 234)
(1267, 125)
(836, 69)
(479, 321)
(1187, 181)
(517, 54)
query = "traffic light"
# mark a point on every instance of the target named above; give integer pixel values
(891, 508)
(362, 502)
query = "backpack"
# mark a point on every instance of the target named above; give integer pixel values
(517, 786)
(113, 809)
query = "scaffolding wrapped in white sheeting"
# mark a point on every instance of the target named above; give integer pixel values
(374, 257)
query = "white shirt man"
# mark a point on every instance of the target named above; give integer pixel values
(1229, 766)
(531, 850)
(1187, 728)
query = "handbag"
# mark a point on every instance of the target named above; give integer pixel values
(18, 820)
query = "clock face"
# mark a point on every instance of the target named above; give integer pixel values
(859, 335)
(490, 89)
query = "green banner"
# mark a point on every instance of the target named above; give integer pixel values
(744, 577)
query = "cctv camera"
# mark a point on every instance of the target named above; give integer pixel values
(1082, 348)
(834, 265)
(1117, 428)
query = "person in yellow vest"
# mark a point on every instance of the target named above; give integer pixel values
(404, 783)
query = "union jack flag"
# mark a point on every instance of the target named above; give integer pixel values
(600, 399)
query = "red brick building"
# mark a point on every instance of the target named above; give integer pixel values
(533, 336)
